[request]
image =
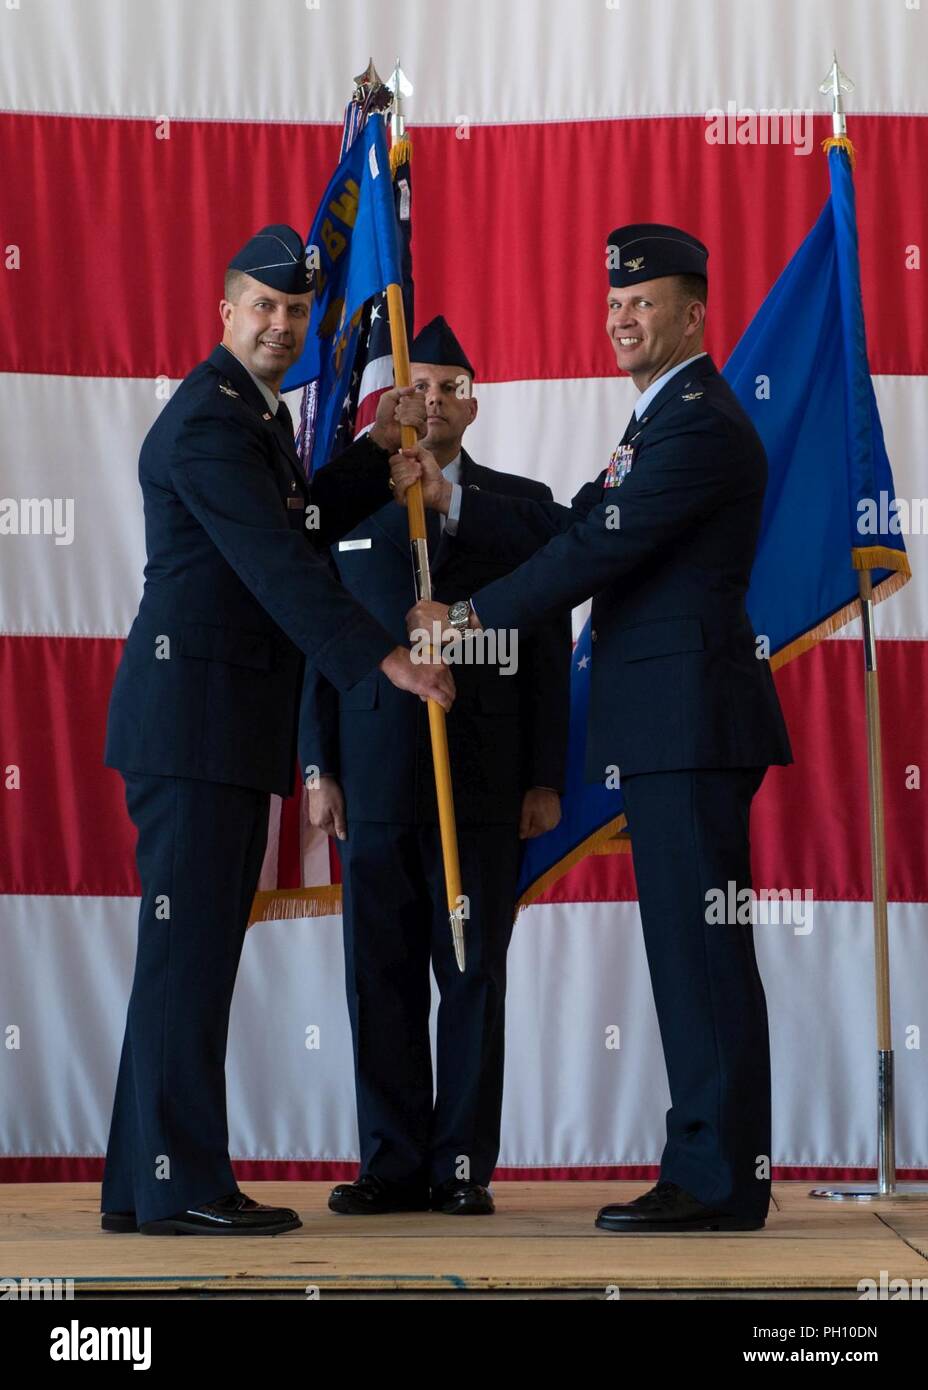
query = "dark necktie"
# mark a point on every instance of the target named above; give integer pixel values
(630, 428)
(285, 422)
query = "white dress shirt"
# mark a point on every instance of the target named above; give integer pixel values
(452, 471)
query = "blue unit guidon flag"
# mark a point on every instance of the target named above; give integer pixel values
(801, 373)
(372, 372)
(356, 250)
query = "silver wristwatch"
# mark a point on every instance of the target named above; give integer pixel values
(459, 615)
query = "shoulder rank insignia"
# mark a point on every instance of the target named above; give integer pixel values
(635, 263)
(227, 390)
(692, 395)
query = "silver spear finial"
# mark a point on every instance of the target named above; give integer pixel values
(401, 88)
(835, 83)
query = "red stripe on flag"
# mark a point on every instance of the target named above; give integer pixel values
(811, 824)
(521, 211)
(512, 249)
(290, 844)
(66, 830)
(367, 410)
(335, 864)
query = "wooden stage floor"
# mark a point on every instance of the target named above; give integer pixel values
(541, 1242)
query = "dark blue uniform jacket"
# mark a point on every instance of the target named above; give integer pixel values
(676, 682)
(238, 589)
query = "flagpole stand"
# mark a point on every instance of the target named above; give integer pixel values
(885, 1189)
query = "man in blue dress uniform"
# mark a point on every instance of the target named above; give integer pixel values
(203, 720)
(507, 737)
(680, 702)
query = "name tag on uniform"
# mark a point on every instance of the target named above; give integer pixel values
(619, 465)
(364, 544)
(294, 504)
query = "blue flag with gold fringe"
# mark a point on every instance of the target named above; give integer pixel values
(801, 373)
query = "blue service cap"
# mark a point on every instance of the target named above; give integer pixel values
(649, 250)
(277, 257)
(437, 345)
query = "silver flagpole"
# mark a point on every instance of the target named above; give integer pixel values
(885, 1188)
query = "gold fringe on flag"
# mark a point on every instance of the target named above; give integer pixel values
(841, 142)
(400, 153)
(882, 557)
(620, 843)
(870, 557)
(288, 904)
(608, 839)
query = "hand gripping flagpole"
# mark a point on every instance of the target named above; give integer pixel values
(418, 541)
(885, 1188)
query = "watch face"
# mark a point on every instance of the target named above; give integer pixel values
(459, 612)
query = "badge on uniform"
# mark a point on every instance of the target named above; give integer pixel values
(227, 390)
(619, 465)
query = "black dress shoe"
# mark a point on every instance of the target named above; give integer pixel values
(122, 1221)
(462, 1199)
(372, 1196)
(667, 1208)
(234, 1215)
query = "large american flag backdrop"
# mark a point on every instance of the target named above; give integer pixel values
(140, 144)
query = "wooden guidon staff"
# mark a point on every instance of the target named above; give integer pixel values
(420, 561)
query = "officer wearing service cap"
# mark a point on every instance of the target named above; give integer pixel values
(425, 1145)
(664, 540)
(203, 719)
